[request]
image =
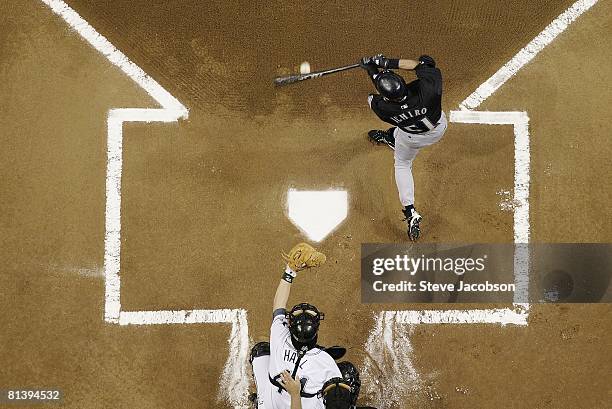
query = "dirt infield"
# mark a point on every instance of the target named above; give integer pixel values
(203, 209)
(215, 53)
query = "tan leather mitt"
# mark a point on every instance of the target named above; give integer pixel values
(303, 256)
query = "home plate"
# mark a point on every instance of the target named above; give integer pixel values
(317, 213)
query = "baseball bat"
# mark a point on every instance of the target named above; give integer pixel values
(291, 79)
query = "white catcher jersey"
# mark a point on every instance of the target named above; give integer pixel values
(316, 366)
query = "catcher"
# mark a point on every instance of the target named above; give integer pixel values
(293, 349)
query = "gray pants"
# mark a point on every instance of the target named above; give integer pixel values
(407, 145)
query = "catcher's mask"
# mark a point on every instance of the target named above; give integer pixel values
(350, 374)
(304, 322)
(336, 394)
(391, 86)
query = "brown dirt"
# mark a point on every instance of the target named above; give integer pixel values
(200, 194)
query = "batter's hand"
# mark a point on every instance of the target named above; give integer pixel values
(366, 62)
(381, 61)
(293, 386)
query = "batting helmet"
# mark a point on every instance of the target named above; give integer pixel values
(390, 85)
(336, 394)
(304, 322)
(350, 374)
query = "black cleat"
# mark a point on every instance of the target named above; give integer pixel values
(413, 219)
(380, 137)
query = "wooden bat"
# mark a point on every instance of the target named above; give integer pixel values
(291, 79)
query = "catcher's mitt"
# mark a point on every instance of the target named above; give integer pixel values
(303, 256)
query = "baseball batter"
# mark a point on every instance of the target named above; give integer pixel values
(414, 110)
(293, 349)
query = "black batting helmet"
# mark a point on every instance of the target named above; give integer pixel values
(390, 85)
(350, 374)
(336, 394)
(304, 322)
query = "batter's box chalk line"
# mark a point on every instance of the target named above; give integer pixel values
(519, 313)
(233, 376)
(388, 324)
(388, 373)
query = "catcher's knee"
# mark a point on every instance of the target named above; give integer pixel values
(259, 349)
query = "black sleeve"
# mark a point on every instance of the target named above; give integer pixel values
(427, 60)
(428, 72)
(380, 107)
(393, 63)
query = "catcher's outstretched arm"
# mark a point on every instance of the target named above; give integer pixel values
(282, 293)
(300, 257)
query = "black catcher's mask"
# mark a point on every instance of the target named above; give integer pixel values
(304, 321)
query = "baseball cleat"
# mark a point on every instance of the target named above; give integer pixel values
(413, 219)
(382, 137)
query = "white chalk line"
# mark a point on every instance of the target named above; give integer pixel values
(526, 54)
(388, 367)
(521, 220)
(117, 58)
(519, 314)
(501, 316)
(178, 317)
(520, 121)
(234, 379)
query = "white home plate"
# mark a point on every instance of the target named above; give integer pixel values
(317, 213)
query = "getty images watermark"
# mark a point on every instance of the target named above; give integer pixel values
(487, 273)
(412, 265)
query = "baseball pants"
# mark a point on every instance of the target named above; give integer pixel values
(407, 145)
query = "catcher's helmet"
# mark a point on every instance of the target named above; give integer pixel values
(390, 85)
(350, 374)
(336, 394)
(304, 322)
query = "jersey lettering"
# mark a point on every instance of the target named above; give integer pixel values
(290, 356)
(408, 114)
